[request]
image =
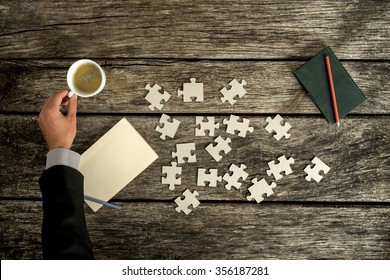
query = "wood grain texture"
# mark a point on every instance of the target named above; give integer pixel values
(346, 216)
(358, 154)
(271, 86)
(194, 29)
(244, 231)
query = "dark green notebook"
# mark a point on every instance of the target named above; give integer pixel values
(314, 78)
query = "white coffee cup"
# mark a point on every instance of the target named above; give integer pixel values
(85, 78)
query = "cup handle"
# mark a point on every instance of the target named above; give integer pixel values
(70, 94)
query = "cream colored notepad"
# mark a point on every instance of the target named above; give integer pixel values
(114, 161)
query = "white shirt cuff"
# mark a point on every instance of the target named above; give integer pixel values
(61, 156)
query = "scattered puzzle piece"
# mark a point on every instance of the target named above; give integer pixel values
(314, 173)
(236, 89)
(235, 124)
(172, 175)
(190, 199)
(211, 177)
(282, 166)
(275, 125)
(168, 128)
(203, 126)
(184, 152)
(260, 188)
(222, 145)
(154, 97)
(237, 174)
(192, 91)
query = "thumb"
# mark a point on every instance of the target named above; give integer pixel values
(72, 107)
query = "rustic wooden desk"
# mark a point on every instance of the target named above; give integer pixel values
(345, 216)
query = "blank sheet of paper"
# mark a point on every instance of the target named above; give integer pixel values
(114, 161)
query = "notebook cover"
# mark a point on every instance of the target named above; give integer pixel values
(314, 78)
(114, 161)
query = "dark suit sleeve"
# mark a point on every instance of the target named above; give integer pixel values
(64, 230)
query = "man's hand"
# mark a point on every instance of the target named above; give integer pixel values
(59, 130)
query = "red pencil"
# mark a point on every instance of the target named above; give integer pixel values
(333, 93)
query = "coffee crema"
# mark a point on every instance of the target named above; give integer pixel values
(87, 78)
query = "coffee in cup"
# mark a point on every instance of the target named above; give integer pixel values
(85, 78)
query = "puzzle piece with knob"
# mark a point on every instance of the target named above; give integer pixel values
(209, 176)
(172, 177)
(277, 127)
(192, 91)
(155, 97)
(168, 128)
(222, 145)
(189, 199)
(237, 173)
(185, 152)
(260, 188)
(236, 90)
(283, 166)
(314, 172)
(235, 124)
(202, 126)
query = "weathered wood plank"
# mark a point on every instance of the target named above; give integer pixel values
(357, 152)
(194, 29)
(243, 231)
(271, 86)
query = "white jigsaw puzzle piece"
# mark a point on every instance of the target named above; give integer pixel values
(275, 125)
(185, 151)
(314, 173)
(236, 90)
(172, 177)
(235, 124)
(203, 126)
(192, 91)
(210, 176)
(154, 97)
(222, 145)
(282, 166)
(189, 199)
(237, 174)
(169, 128)
(260, 188)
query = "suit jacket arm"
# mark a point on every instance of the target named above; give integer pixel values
(64, 229)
